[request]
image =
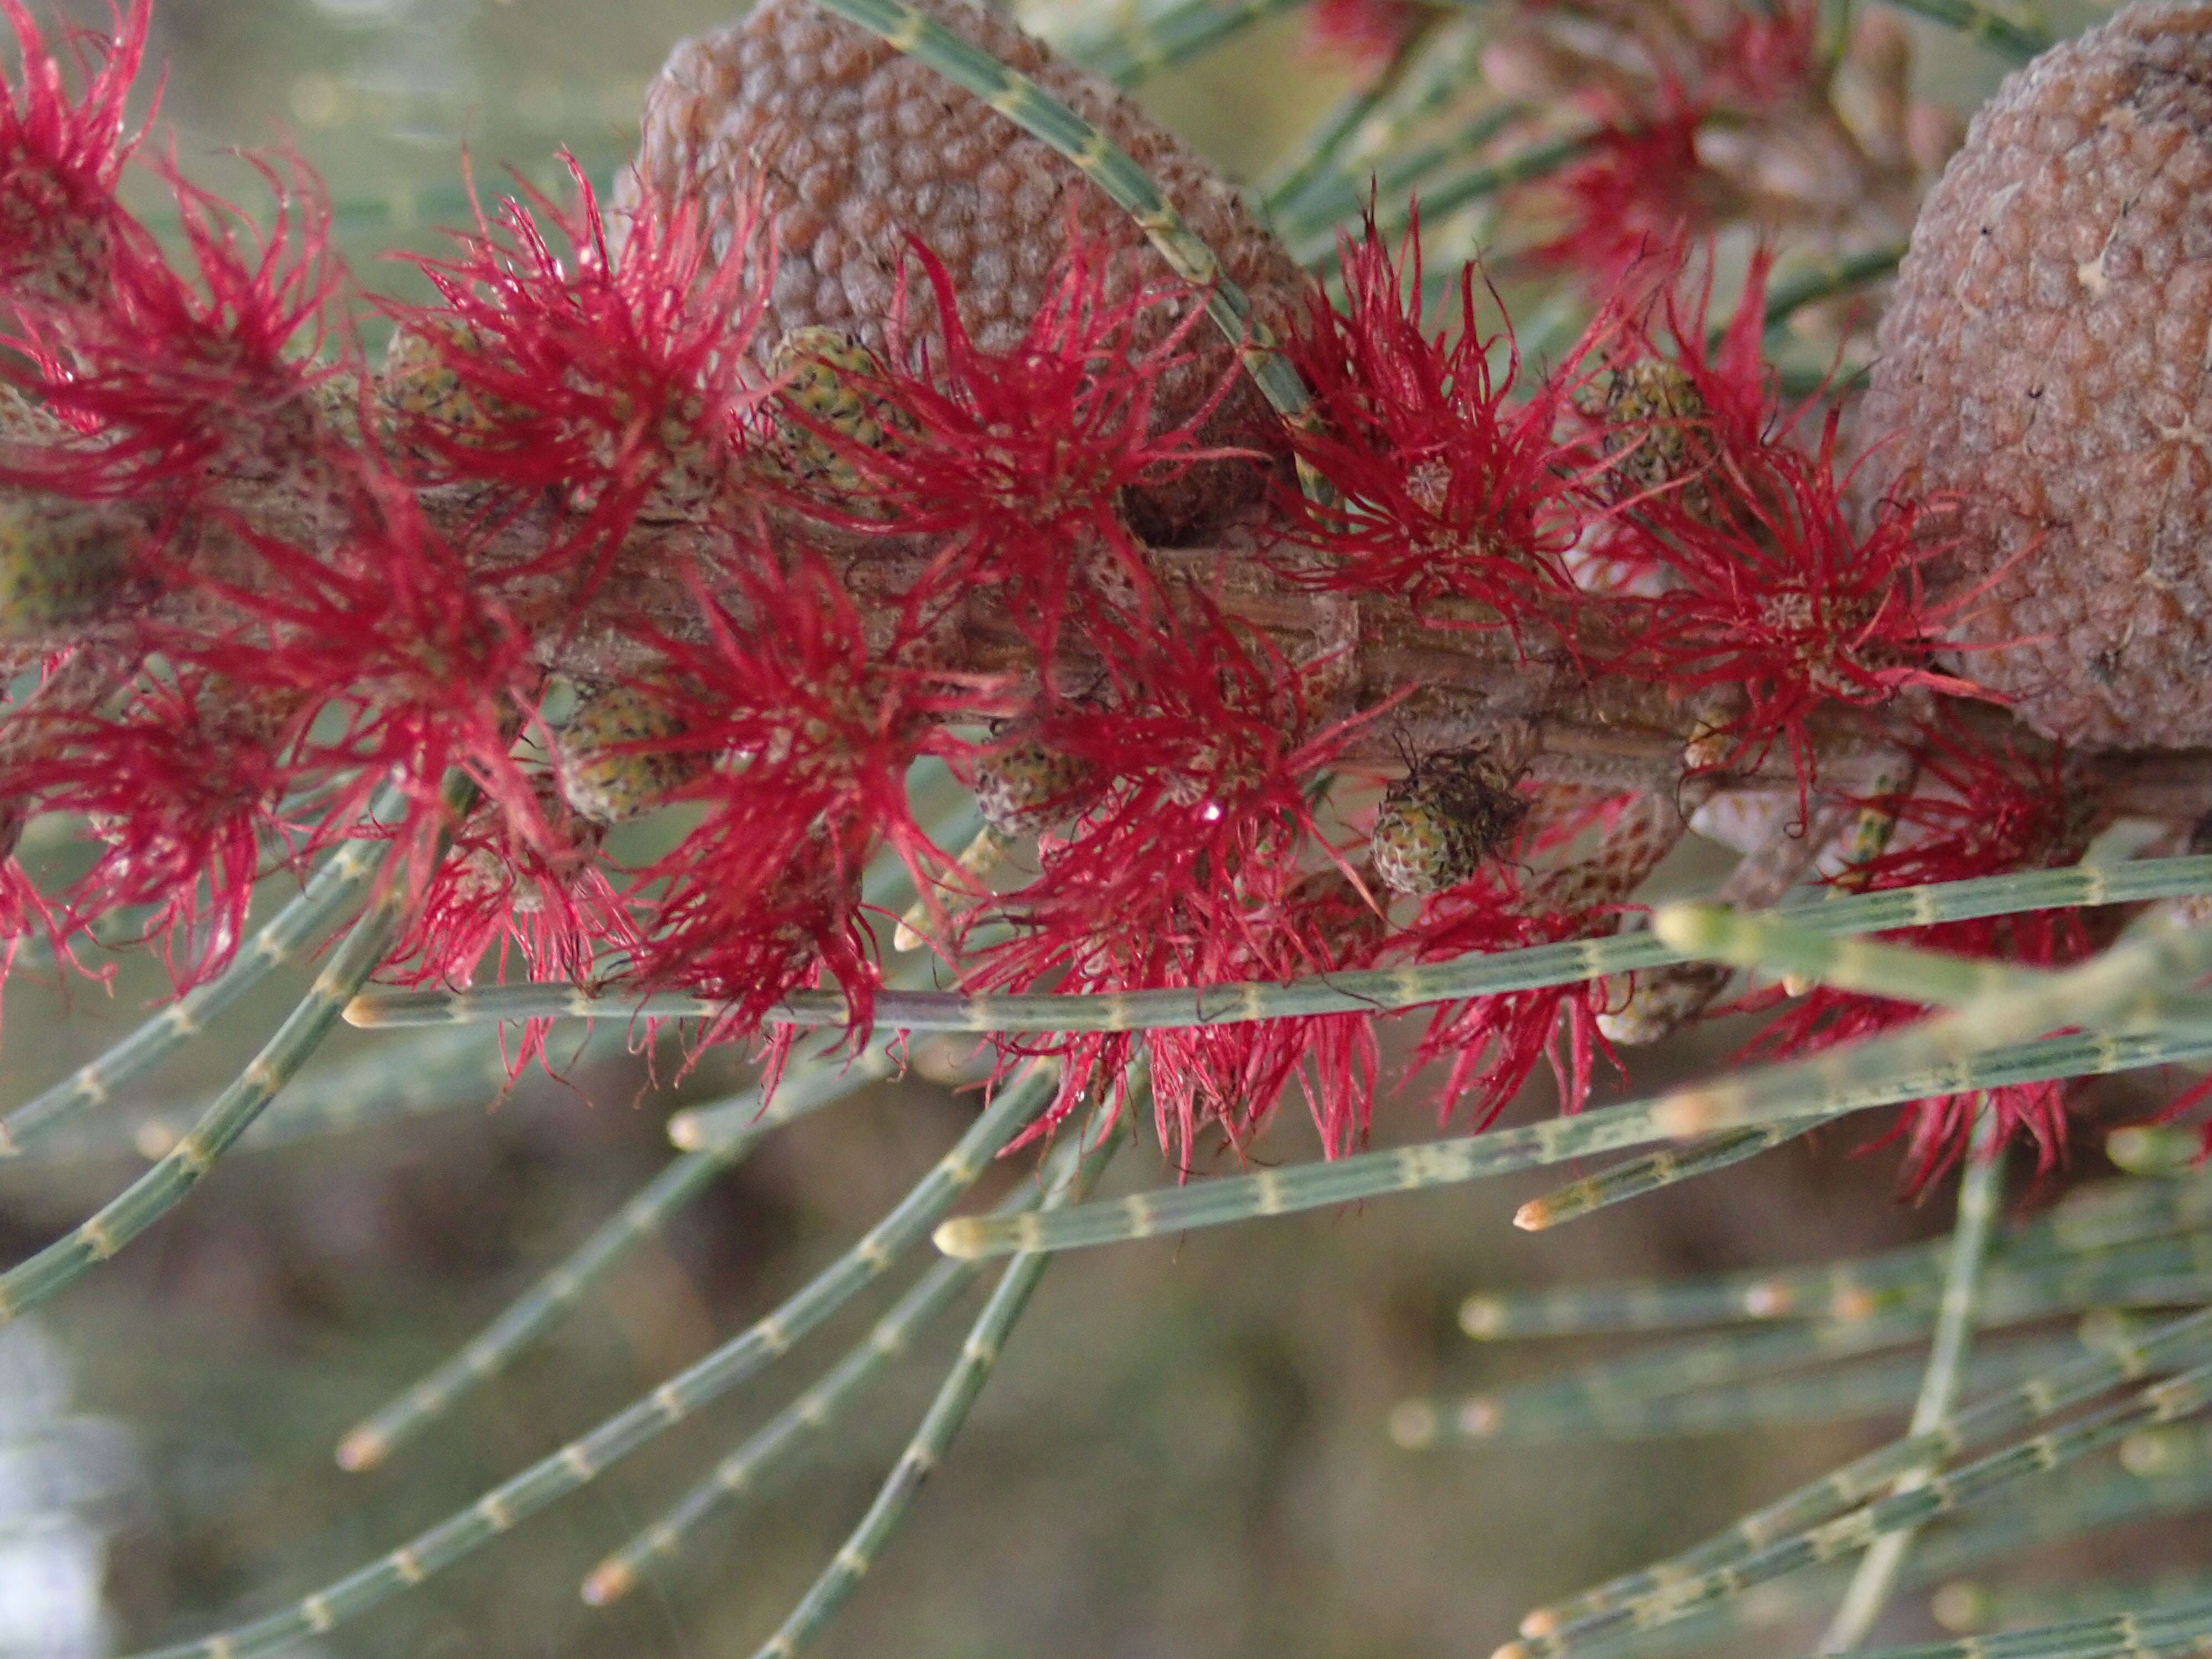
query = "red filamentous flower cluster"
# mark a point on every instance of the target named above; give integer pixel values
(582, 542)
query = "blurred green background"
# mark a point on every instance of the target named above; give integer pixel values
(1183, 1454)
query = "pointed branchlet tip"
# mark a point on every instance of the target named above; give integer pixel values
(2154, 1149)
(1770, 1300)
(362, 1448)
(1510, 1650)
(1960, 1607)
(686, 1133)
(961, 1238)
(607, 1583)
(360, 1011)
(1687, 926)
(1482, 1317)
(1537, 1623)
(1531, 1217)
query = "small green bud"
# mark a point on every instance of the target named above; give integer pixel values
(604, 778)
(1440, 821)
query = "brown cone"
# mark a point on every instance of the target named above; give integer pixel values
(857, 147)
(2048, 357)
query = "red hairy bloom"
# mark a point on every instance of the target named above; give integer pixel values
(541, 898)
(810, 735)
(58, 163)
(1636, 201)
(1450, 487)
(1181, 871)
(178, 380)
(183, 786)
(1367, 32)
(609, 372)
(1020, 458)
(1972, 810)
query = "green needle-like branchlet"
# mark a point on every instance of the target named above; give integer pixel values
(1648, 1174)
(2179, 1343)
(1453, 191)
(333, 891)
(1502, 1151)
(979, 1355)
(1013, 1109)
(1984, 23)
(487, 1353)
(814, 1412)
(2148, 1633)
(1876, 1389)
(180, 1169)
(1166, 35)
(1366, 991)
(1981, 1189)
(1438, 71)
(2121, 989)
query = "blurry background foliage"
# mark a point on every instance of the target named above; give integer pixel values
(1185, 1452)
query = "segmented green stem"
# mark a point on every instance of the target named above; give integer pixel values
(1808, 284)
(2161, 1403)
(2120, 989)
(1098, 159)
(1436, 72)
(1865, 1390)
(333, 891)
(450, 1070)
(146, 1200)
(1366, 991)
(1783, 946)
(943, 1421)
(1737, 1356)
(1171, 34)
(1986, 24)
(1964, 1606)
(2097, 1218)
(1981, 1189)
(2180, 1342)
(581, 1460)
(1501, 1152)
(2142, 1634)
(769, 1448)
(1320, 214)
(492, 1349)
(1455, 191)
(1648, 1173)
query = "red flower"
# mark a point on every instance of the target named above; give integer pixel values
(609, 373)
(1638, 201)
(1369, 33)
(187, 384)
(810, 735)
(1448, 486)
(58, 164)
(1020, 459)
(183, 786)
(1972, 810)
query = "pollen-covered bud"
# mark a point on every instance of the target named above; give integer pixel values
(1027, 786)
(1438, 823)
(419, 390)
(621, 754)
(62, 564)
(1652, 411)
(824, 373)
(2043, 364)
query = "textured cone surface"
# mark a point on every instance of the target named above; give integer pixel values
(856, 148)
(2048, 357)
(1437, 825)
(609, 771)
